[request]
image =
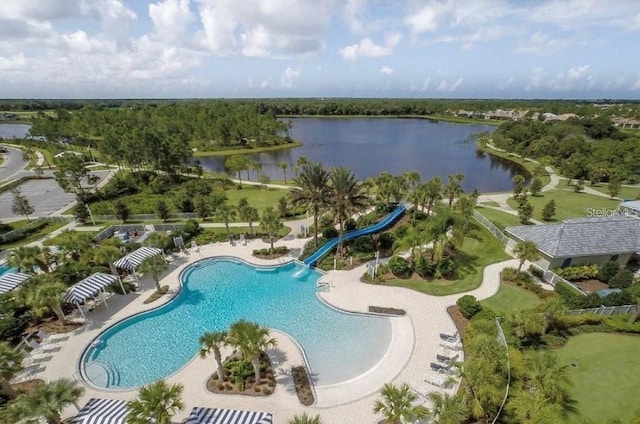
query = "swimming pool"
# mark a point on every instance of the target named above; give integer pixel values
(5, 269)
(217, 292)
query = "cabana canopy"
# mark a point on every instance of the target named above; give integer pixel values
(131, 261)
(227, 416)
(12, 280)
(89, 287)
(103, 411)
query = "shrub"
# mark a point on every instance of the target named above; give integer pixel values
(608, 271)
(571, 296)
(350, 224)
(329, 233)
(578, 272)
(510, 274)
(386, 240)
(326, 220)
(424, 267)
(401, 231)
(364, 244)
(420, 216)
(622, 279)
(469, 306)
(191, 228)
(536, 272)
(446, 268)
(399, 267)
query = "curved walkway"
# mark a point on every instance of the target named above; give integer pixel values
(415, 343)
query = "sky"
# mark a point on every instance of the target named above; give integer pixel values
(320, 48)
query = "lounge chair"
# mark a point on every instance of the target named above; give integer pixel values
(441, 368)
(421, 390)
(37, 347)
(451, 345)
(447, 358)
(47, 337)
(450, 337)
(436, 380)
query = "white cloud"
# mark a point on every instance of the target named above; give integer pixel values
(576, 78)
(171, 18)
(539, 43)
(636, 85)
(386, 70)
(353, 10)
(367, 48)
(578, 72)
(288, 77)
(13, 63)
(427, 19)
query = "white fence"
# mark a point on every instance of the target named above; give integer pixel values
(486, 223)
(607, 310)
(553, 278)
(144, 217)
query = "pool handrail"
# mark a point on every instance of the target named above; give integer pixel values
(324, 249)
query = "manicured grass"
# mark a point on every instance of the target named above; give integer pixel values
(499, 218)
(569, 204)
(510, 298)
(249, 151)
(607, 376)
(490, 203)
(51, 227)
(480, 249)
(17, 224)
(258, 197)
(625, 192)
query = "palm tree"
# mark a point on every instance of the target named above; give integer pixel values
(154, 265)
(251, 339)
(256, 166)
(396, 405)
(527, 323)
(412, 179)
(347, 197)
(26, 258)
(10, 365)
(305, 419)
(270, 223)
(453, 187)
(433, 192)
(548, 376)
(533, 408)
(384, 182)
(108, 255)
(437, 229)
(526, 251)
(157, 403)
(313, 193)
(213, 342)
(226, 213)
(46, 402)
(43, 293)
(283, 167)
(411, 241)
(446, 409)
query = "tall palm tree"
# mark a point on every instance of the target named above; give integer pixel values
(527, 323)
(526, 251)
(384, 184)
(10, 366)
(433, 192)
(213, 342)
(437, 229)
(312, 180)
(156, 403)
(155, 266)
(251, 215)
(226, 213)
(484, 388)
(347, 197)
(26, 258)
(108, 255)
(43, 293)
(305, 419)
(46, 402)
(251, 339)
(412, 179)
(447, 409)
(531, 407)
(397, 404)
(548, 376)
(453, 187)
(283, 167)
(271, 224)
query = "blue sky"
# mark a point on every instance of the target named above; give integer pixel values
(320, 48)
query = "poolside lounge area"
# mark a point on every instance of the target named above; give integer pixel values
(415, 343)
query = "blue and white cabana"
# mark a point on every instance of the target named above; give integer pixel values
(12, 280)
(103, 411)
(133, 260)
(227, 416)
(90, 287)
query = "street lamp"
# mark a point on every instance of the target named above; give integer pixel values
(90, 214)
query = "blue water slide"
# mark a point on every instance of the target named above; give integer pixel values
(388, 220)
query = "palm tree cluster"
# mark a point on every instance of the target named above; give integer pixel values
(248, 338)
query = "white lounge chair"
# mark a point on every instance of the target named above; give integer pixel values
(421, 390)
(450, 345)
(37, 347)
(436, 380)
(47, 337)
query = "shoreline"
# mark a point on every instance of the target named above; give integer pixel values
(229, 152)
(434, 118)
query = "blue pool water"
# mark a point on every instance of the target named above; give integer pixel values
(5, 269)
(217, 292)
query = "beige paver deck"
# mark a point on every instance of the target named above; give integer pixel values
(415, 343)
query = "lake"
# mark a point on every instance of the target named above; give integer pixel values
(11, 131)
(370, 146)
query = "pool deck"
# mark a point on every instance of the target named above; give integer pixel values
(415, 343)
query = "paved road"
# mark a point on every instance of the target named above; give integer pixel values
(12, 164)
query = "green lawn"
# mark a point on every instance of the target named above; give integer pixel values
(510, 298)
(569, 204)
(229, 152)
(49, 228)
(499, 218)
(530, 166)
(625, 192)
(480, 249)
(490, 203)
(258, 197)
(607, 376)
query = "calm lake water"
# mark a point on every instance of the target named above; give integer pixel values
(11, 131)
(370, 146)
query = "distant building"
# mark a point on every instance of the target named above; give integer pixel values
(68, 153)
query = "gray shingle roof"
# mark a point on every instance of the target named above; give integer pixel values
(583, 236)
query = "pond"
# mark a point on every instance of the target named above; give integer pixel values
(11, 131)
(370, 146)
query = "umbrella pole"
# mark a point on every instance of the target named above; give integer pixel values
(124, 292)
(104, 299)
(81, 311)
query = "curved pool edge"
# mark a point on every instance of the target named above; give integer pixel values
(80, 365)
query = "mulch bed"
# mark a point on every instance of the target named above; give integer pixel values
(27, 386)
(155, 296)
(387, 310)
(265, 388)
(458, 319)
(303, 386)
(591, 286)
(271, 256)
(52, 326)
